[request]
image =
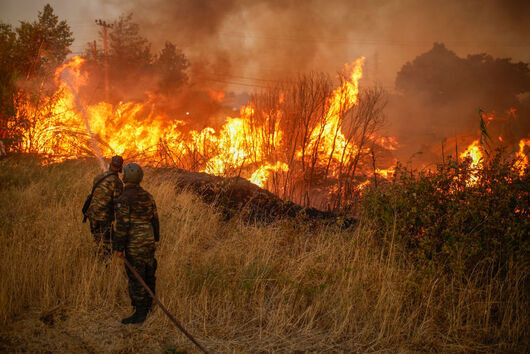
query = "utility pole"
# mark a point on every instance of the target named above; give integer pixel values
(95, 52)
(105, 26)
(376, 67)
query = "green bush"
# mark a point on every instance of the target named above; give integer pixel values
(442, 219)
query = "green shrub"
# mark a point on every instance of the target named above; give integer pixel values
(442, 219)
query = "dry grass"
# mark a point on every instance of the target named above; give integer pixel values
(236, 287)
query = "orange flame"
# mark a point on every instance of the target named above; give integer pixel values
(387, 142)
(262, 174)
(329, 136)
(474, 153)
(522, 159)
(386, 173)
(363, 185)
(240, 146)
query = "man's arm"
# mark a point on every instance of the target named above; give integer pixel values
(119, 240)
(155, 222)
(118, 190)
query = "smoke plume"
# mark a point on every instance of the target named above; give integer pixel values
(272, 39)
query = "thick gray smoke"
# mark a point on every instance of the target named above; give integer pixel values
(245, 40)
(271, 39)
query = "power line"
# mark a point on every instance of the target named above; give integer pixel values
(356, 41)
(105, 26)
(235, 83)
(226, 79)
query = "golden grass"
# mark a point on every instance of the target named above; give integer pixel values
(235, 287)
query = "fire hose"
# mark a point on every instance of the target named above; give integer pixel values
(173, 319)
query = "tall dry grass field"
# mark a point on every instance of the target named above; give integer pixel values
(235, 287)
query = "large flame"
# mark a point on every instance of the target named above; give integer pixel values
(262, 174)
(329, 136)
(135, 129)
(474, 154)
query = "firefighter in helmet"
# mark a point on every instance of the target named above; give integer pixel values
(137, 231)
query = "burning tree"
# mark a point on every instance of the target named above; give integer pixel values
(30, 56)
(315, 138)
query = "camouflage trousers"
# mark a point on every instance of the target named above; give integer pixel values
(102, 232)
(144, 262)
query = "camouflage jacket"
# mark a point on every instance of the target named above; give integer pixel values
(136, 220)
(105, 196)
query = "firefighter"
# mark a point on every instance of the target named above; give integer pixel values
(137, 231)
(107, 187)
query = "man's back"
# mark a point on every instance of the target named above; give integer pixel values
(106, 193)
(135, 213)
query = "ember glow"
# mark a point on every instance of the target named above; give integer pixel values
(521, 163)
(385, 173)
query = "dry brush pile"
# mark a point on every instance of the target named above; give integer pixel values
(237, 287)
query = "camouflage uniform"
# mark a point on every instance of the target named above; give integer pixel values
(136, 233)
(101, 210)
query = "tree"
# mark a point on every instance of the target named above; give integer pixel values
(42, 45)
(128, 49)
(29, 56)
(440, 93)
(324, 145)
(360, 125)
(440, 77)
(8, 64)
(133, 69)
(171, 65)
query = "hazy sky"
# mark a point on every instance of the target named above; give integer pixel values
(254, 41)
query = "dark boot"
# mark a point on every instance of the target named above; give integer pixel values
(138, 316)
(149, 306)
